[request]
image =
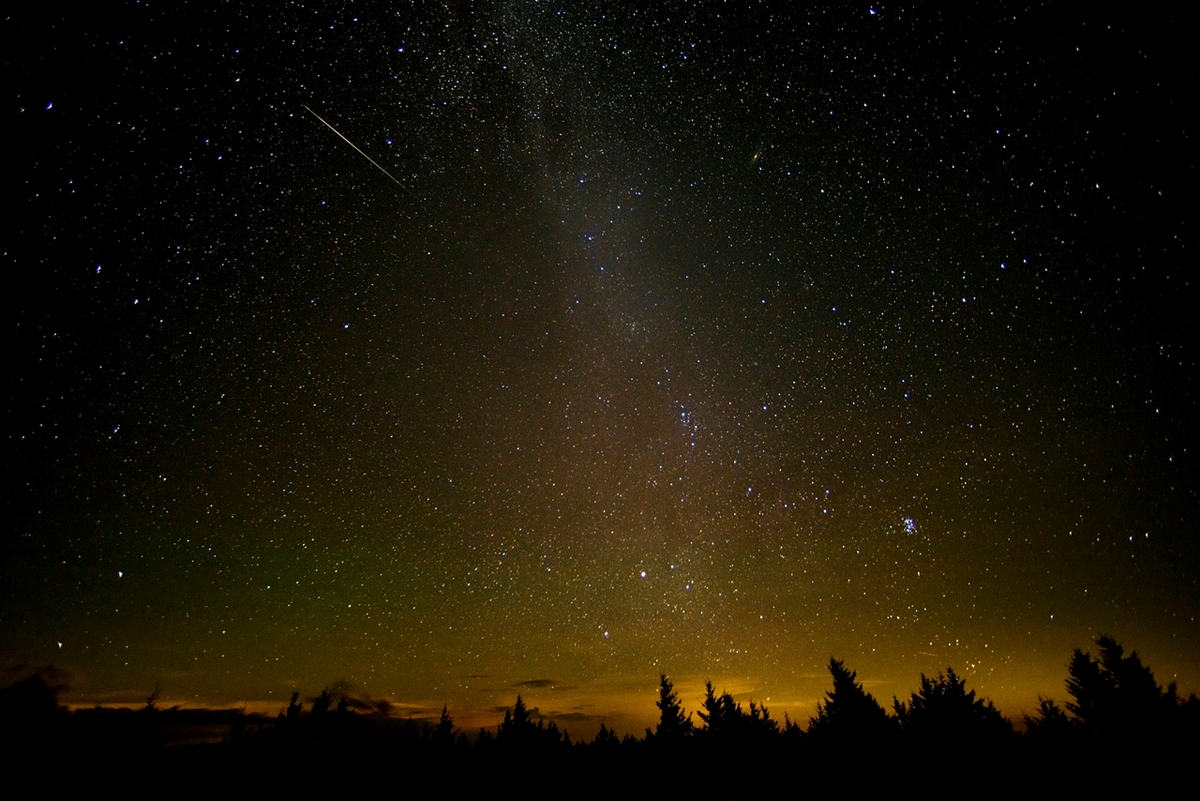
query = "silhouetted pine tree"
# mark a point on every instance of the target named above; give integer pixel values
(792, 732)
(443, 733)
(519, 731)
(485, 741)
(758, 722)
(673, 726)
(293, 710)
(726, 722)
(849, 713)
(715, 712)
(321, 704)
(1116, 695)
(943, 710)
(605, 739)
(1050, 725)
(30, 716)
(516, 728)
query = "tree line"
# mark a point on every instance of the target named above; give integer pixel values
(1116, 708)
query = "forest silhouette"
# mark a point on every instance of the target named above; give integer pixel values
(1118, 720)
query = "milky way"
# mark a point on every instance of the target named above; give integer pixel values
(707, 339)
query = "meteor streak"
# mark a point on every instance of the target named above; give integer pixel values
(364, 155)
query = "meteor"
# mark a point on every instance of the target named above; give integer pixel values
(364, 155)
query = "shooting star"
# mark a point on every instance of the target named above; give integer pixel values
(364, 155)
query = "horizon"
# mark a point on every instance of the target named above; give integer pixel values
(632, 719)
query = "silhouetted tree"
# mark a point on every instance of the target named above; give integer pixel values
(443, 733)
(673, 726)
(35, 696)
(31, 719)
(848, 713)
(518, 729)
(293, 710)
(147, 730)
(321, 704)
(715, 711)
(758, 723)
(552, 734)
(1117, 694)
(792, 732)
(516, 724)
(945, 711)
(1051, 724)
(485, 741)
(606, 739)
(725, 720)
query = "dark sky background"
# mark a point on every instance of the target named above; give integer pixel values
(713, 339)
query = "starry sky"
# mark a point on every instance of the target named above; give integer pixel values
(586, 342)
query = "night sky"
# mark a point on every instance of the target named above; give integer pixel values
(713, 339)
